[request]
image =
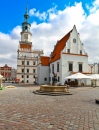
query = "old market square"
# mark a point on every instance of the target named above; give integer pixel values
(21, 109)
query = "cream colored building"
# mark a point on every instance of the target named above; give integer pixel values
(26, 56)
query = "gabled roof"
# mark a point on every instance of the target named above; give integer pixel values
(59, 47)
(44, 60)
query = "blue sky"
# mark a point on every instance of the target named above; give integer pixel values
(50, 20)
(12, 10)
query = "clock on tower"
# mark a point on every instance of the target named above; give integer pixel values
(25, 36)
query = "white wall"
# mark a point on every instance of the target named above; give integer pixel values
(42, 73)
(29, 37)
(66, 58)
(55, 70)
(74, 47)
(31, 78)
(76, 58)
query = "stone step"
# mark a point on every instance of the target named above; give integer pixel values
(51, 93)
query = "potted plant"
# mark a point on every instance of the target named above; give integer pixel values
(0, 88)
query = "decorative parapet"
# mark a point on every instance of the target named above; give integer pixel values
(27, 57)
(22, 42)
(38, 51)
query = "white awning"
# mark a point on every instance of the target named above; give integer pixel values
(78, 76)
(94, 76)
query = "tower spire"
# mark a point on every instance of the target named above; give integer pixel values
(26, 8)
(26, 15)
(26, 25)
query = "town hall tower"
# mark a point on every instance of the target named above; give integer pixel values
(26, 56)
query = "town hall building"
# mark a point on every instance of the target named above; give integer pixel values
(68, 57)
(27, 57)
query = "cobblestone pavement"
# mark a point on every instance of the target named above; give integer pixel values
(20, 109)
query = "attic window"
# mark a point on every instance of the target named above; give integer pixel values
(74, 40)
(81, 52)
(68, 50)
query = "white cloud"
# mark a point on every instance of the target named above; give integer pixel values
(62, 21)
(41, 16)
(15, 33)
(94, 6)
(8, 48)
(45, 35)
(59, 23)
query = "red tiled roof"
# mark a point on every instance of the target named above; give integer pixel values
(59, 47)
(44, 60)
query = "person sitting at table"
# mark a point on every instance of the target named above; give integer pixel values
(67, 85)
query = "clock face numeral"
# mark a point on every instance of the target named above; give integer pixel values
(25, 36)
(74, 40)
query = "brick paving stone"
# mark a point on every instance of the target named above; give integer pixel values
(91, 129)
(20, 109)
(50, 126)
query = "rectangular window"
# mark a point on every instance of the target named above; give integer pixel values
(58, 67)
(22, 62)
(22, 70)
(27, 81)
(58, 79)
(27, 76)
(80, 67)
(52, 68)
(49, 78)
(22, 81)
(22, 76)
(45, 79)
(68, 50)
(27, 70)
(70, 66)
(34, 70)
(81, 52)
(27, 62)
(34, 63)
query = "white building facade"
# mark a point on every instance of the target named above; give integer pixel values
(43, 72)
(26, 56)
(13, 74)
(68, 57)
(94, 68)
